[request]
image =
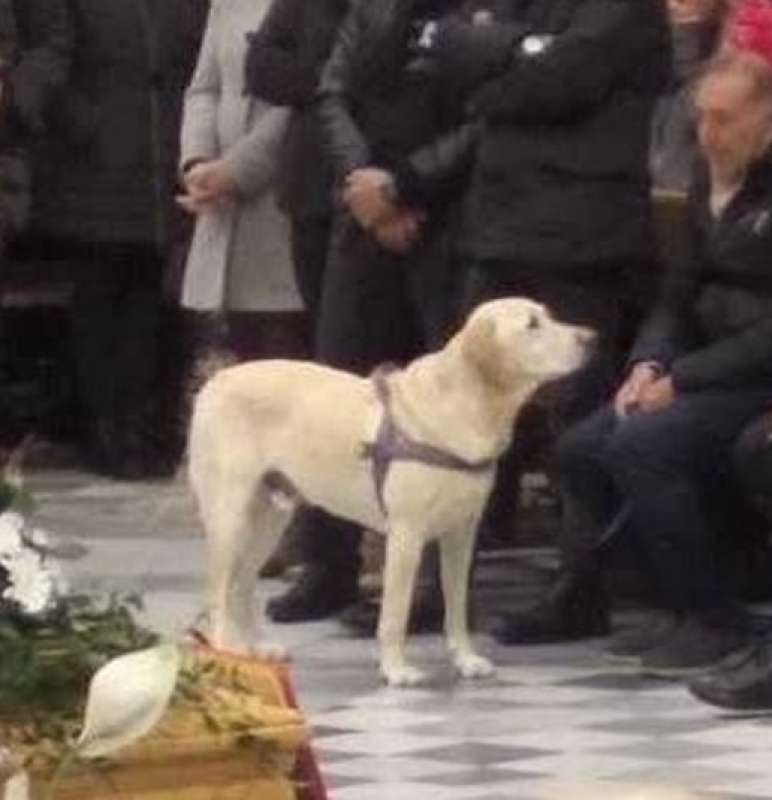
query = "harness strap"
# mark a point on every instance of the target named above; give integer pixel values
(393, 444)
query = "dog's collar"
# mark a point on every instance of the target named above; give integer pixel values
(393, 444)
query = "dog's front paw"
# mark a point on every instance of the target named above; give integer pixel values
(403, 676)
(472, 666)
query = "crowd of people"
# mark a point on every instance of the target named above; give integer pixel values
(347, 180)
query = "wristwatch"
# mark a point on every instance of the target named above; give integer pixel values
(535, 44)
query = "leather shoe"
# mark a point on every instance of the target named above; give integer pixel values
(742, 682)
(317, 594)
(361, 619)
(577, 607)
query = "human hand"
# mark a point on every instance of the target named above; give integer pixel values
(628, 395)
(368, 195)
(400, 232)
(657, 396)
(209, 183)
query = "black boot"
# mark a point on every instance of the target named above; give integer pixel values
(426, 616)
(577, 607)
(742, 681)
(318, 593)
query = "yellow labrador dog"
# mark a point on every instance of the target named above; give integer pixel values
(411, 453)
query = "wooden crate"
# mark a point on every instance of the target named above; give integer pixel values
(186, 758)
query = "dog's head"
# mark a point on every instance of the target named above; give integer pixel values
(514, 340)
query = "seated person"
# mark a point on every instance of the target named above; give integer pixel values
(700, 370)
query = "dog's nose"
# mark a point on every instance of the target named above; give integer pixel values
(586, 337)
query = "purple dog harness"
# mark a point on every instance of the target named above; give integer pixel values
(393, 444)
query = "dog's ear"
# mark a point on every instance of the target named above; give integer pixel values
(480, 348)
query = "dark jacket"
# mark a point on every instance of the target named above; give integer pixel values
(712, 327)
(560, 176)
(35, 46)
(284, 61)
(378, 101)
(109, 169)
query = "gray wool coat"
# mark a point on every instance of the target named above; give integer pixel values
(239, 259)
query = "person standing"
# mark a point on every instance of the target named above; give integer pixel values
(388, 279)
(105, 193)
(238, 268)
(558, 206)
(284, 61)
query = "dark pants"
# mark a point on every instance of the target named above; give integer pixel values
(665, 469)
(116, 313)
(752, 457)
(247, 335)
(611, 299)
(375, 307)
(310, 240)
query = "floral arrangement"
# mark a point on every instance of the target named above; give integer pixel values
(81, 680)
(52, 640)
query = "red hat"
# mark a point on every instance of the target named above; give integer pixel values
(749, 28)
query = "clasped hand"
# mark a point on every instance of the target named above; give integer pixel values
(645, 391)
(208, 185)
(369, 196)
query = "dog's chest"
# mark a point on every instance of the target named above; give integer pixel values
(433, 500)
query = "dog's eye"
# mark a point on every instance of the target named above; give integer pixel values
(533, 322)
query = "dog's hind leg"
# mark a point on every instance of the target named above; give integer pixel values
(243, 528)
(456, 550)
(403, 555)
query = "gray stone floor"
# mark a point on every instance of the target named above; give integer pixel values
(556, 722)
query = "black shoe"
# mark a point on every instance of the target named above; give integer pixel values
(630, 644)
(317, 594)
(742, 682)
(576, 608)
(361, 619)
(694, 646)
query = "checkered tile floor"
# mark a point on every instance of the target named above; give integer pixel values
(556, 722)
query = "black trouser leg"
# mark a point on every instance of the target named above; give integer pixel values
(375, 307)
(115, 317)
(752, 457)
(138, 339)
(591, 499)
(662, 464)
(310, 240)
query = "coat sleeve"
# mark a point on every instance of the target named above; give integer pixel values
(343, 140)
(728, 363)
(431, 172)
(198, 132)
(669, 330)
(254, 157)
(668, 333)
(273, 70)
(468, 54)
(44, 66)
(608, 43)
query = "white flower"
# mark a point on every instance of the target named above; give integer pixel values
(127, 697)
(39, 538)
(33, 586)
(11, 527)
